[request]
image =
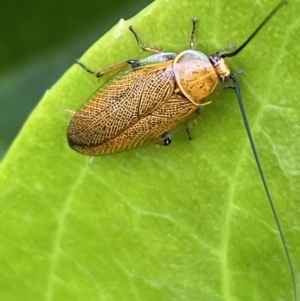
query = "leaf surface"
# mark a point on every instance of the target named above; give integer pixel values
(186, 222)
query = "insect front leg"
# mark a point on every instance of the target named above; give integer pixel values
(192, 39)
(132, 62)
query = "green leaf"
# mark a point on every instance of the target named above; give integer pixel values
(186, 222)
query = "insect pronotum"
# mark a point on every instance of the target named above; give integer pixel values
(150, 97)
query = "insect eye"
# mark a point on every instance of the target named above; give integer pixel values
(215, 59)
(220, 67)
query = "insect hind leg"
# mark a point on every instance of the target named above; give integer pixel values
(165, 139)
(132, 62)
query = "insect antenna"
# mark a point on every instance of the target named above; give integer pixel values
(261, 25)
(236, 87)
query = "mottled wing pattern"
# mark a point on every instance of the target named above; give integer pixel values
(150, 128)
(130, 111)
(122, 103)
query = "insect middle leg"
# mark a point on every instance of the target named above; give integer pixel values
(145, 48)
(190, 119)
(132, 62)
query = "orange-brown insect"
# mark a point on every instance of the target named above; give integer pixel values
(148, 99)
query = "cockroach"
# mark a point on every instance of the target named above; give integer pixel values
(150, 97)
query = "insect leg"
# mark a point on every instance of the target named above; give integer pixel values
(191, 118)
(165, 139)
(132, 62)
(71, 112)
(188, 131)
(192, 39)
(145, 48)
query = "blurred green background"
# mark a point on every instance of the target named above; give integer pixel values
(39, 42)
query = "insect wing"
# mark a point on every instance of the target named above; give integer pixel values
(119, 105)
